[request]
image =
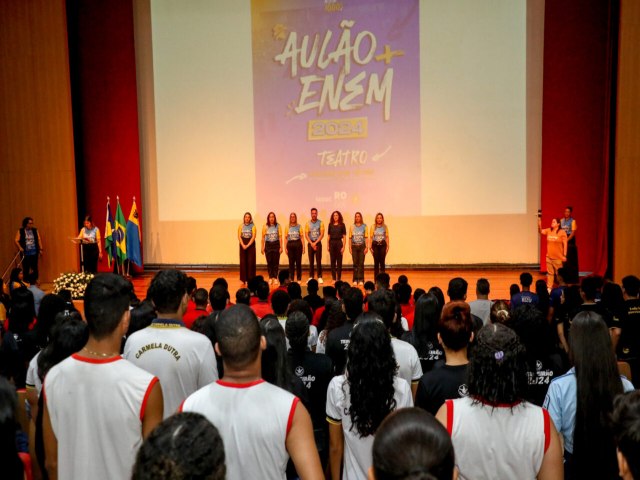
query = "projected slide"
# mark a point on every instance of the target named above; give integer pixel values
(428, 111)
(336, 90)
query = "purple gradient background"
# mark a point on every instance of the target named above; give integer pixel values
(393, 183)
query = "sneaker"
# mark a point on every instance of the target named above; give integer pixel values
(320, 281)
(361, 283)
(355, 284)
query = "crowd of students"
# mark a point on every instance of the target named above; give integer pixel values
(380, 382)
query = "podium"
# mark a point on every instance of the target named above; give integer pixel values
(80, 242)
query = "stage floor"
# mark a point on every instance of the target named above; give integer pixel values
(499, 279)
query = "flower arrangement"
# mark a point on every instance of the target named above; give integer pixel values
(76, 283)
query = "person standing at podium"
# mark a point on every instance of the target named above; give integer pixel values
(91, 245)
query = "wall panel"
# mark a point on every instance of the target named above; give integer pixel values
(627, 177)
(36, 139)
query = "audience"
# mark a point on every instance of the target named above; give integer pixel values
(298, 411)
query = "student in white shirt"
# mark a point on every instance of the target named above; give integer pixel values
(183, 360)
(261, 425)
(359, 400)
(98, 406)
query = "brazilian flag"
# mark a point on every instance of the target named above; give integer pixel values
(120, 236)
(109, 244)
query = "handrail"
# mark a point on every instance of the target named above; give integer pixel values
(15, 262)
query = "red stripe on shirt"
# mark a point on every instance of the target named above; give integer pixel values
(239, 385)
(547, 429)
(449, 404)
(296, 400)
(96, 360)
(146, 397)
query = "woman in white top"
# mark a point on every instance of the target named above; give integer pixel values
(91, 245)
(359, 401)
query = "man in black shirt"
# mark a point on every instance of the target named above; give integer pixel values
(338, 339)
(315, 372)
(455, 332)
(629, 350)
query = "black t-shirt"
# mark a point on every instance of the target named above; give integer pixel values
(440, 384)
(314, 301)
(336, 232)
(337, 346)
(315, 372)
(429, 354)
(629, 346)
(609, 319)
(540, 372)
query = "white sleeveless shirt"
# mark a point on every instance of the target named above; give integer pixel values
(96, 407)
(498, 442)
(254, 420)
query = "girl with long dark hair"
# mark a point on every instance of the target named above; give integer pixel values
(358, 401)
(581, 401)
(275, 362)
(16, 280)
(424, 336)
(337, 240)
(496, 433)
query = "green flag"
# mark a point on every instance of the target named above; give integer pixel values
(119, 235)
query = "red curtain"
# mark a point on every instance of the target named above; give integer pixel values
(105, 102)
(580, 45)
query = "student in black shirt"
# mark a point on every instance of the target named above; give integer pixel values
(338, 339)
(629, 350)
(313, 299)
(315, 372)
(455, 332)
